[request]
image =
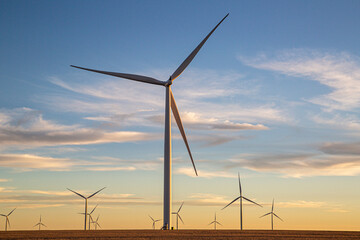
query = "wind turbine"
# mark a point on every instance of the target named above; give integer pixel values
(241, 197)
(178, 216)
(86, 200)
(272, 216)
(96, 224)
(169, 103)
(215, 222)
(39, 224)
(154, 221)
(7, 221)
(89, 214)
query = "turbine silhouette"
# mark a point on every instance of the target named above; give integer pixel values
(215, 222)
(272, 216)
(178, 216)
(86, 200)
(90, 217)
(7, 221)
(169, 103)
(96, 224)
(39, 224)
(154, 221)
(241, 197)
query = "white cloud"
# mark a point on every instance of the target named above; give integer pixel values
(339, 72)
(205, 174)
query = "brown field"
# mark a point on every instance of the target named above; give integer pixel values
(181, 234)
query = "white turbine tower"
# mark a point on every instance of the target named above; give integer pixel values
(178, 216)
(241, 197)
(86, 200)
(7, 221)
(39, 224)
(90, 217)
(169, 103)
(154, 221)
(215, 222)
(272, 216)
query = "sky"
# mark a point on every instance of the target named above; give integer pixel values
(273, 95)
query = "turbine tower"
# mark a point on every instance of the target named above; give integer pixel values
(272, 216)
(154, 221)
(241, 197)
(215, 222)
(86, 200)
(90, 217)
(7, 221)
(39, 224)
(169, 103)
(178, 216)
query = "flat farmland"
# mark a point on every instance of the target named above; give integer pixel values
(180, 234)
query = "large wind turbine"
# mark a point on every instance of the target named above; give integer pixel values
(178, 216)
(215, 222)
(39, 224)
(169, 103)
(154, 221)
(241, 197)
(96, 222)
(86, 200)
(272, 216)
(7, 221)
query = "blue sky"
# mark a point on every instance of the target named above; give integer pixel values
(273, 94)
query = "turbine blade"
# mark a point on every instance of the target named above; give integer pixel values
(76, 193)
(181, 128)
(3, 215)
(134, 77)
(239, 184)
(11, 212)
(211, 222)
(180, 207)
(94, 209)
(265, 215)
(36, 224)
(252, 201)
(96, 192)
(230, 203)
(151, 218)
(219, 223)
(188, 60)
(181, 218)
(277, 217)
(43, 224)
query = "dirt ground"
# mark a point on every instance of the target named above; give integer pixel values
(180, 234)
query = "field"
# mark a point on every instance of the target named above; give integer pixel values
(181, 234)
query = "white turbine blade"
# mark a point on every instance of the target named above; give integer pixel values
(218, 223)
(265, 215)
(3, 215)
(152, 218)
(181, 218)
(277, 217)
(180, 207)
(231, 203)
(158, 220)
(96, 192)
(188, 60)
(36, 224)
(212, 222)
(252, 201)
(94, 209)
(11, 212)
(76, 193)
(181, 128)
(239, 184)
(43, 224)
(134, 77)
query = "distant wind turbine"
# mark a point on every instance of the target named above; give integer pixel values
(169, 103)
(86, 200)
(178, 216)
(272, 216)
(7, 221)
(215, 222)
(154, 221)
(89, 214)
(241, 197)
(96, 223)
(39, 224)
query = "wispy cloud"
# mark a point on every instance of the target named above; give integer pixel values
(341, 148)
(4, 180)
(204, 174)
(338, 71)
